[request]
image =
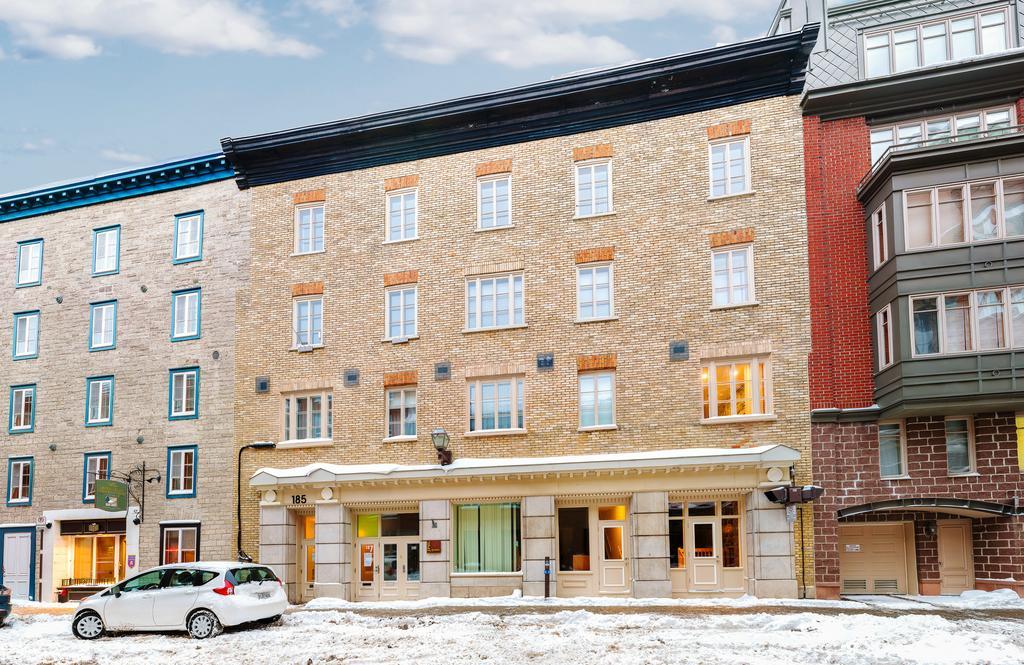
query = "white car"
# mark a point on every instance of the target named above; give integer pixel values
(200, 597)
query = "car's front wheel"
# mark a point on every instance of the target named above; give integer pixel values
(87, 626)
(203, 624)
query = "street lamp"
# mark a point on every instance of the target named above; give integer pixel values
(242, 556)
(440, 439)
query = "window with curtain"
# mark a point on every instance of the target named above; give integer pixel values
(487, 538)
(890, 449)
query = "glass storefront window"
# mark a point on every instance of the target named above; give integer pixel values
(611, 513)
(730, 541)
(730, 507)
(412, 562)
(574, 539)
(400, 524)
(676, 538)
(701, 509)
(368, 526)
(487, 538)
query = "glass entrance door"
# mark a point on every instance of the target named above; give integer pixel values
(367, 566)
(704, 555)
(613, 558)
(387, 556)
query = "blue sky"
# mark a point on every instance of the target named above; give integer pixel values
(91, 86)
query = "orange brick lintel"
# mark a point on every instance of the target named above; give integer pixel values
(311, 196)
(590, 363)
(404, 182)
(595, 254)
(599, 151)
(404, 277)
(727, 129)
(493, 168)
(407, 378)
(734, 237)
(307, 289)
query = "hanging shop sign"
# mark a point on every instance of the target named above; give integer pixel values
(111, 495)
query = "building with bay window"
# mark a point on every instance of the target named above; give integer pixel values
(594, 288)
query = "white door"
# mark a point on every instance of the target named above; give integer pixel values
(704, 556)
(367, 569)
(392, 581)
(18, 563)
(613, 560)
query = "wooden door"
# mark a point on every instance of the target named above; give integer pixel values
(956, 560)
(705, 559)
(613, 559)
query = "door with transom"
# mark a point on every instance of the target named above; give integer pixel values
(613, 550)
(387, 564)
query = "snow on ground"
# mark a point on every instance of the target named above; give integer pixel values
(569, 636)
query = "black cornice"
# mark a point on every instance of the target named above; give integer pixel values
(676, 85)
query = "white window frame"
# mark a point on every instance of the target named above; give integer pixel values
(198, 239)
(402, 290)
(181, 305)
(93, 474)
(290, 417)
(480, 182)
(36, 267)
(921, 125)
(20, 341)
(729, 251)
(593, 268)
(903, 449)
(590, 164)
(402, 193)
(100, 236)
(596, 376)
(760, 392)
(745, 141)
(297, 241)
(184, 375)
(97, 384)
(180, 530)
(181, 477)
(403, 393)
(1000, 208)
(25, 492)
(474, 326)
(972, 460)
(97, 311)
(18, 402)
(975, 345)
(310, 318)
(884, 342)
(880, 236)
(474, 398)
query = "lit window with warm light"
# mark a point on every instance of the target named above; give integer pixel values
(736, 388)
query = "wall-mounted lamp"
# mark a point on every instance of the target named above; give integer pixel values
(440, 439)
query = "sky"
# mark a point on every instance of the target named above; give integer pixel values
(93, 86)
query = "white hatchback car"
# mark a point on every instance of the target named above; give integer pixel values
(200, 597)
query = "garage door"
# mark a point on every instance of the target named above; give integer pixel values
(872, 558)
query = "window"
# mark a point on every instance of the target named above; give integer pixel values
(26, 335)
(891, 452)
(959, 446)
(573, 539)
(309, 417)
(971, 212)
(733, 276)
(29, 268)
(730, 167)
(676, 535)
(102, 325)
(736, 388)
(880, 237)
(487, 538)
(188, 237)
(96, 467)
(401, 413)
(181, 471)
(23, 409)
(99, 401)
(401, 313)
(180, 544)
(594, 298)
(184, 394)
(883, 332)
(308, 322)
(19, 481)
(494, 302)
(597, 400)
(494, 206)
(403, 210)
(145, 582)
(496, 405)
(593, 188)
(309, 229)
(106, 249)
(186, 314)
(982, 320)
(938, 130)
(911, 46)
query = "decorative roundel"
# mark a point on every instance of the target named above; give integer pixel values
(775, 474)
(327, 494)
(270, 496)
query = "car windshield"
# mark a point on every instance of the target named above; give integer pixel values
(254, 574)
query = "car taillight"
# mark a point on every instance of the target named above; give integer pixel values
(227, 590)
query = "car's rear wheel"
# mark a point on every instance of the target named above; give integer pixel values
(203, 624)
(88, 626)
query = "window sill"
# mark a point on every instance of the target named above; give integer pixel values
(598, 428)
(752, 303)
(725, 420)
(17, 358)
(304, 443)
(496, 432)
(106, 273)
(187, 259)
(398, 340)
(319, 251)
(26, 286)
(400, 439)
(598, 214)
(896, 478)
(467, 331)
(724, 197)
(518, 574)
(480, 229)
(399, 242)
(598, 319)
(972, 474)
(181, 495)
(313, 347)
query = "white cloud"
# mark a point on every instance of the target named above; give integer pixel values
(39, 145)
(75, 29)
(123, 156)
(724, 34)
(345, 13)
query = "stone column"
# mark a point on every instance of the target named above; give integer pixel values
(277, 545)
(650, 555)
(539, 525)
(333, 550)
(770, 567)
(435, 569)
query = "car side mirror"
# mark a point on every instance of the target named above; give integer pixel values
(117, 594)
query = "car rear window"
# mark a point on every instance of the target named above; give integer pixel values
(253, 574)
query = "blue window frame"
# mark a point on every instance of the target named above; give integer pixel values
(182, 465)
(95, 466)
(188, 237)
(26, 335)
(103, 325)
(186, 314)
(21, 415)
(99, 401)
(183, 394)
(29, 263)
(20, 472)
(106, 251)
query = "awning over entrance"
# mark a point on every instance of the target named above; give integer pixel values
(965, 507)
(684, 458)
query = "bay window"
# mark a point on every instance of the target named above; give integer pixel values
(487, 538)
(883, 332)
(309, 417)
(982, 320)
(970, 212)
(879, 237)
(734, 388)
(496, 405)
(494, 302)
(938, 130)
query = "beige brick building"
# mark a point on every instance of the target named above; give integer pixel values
(532, 273)
(94, 346)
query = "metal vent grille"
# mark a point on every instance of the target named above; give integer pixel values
(852, 586)
(887, 586)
